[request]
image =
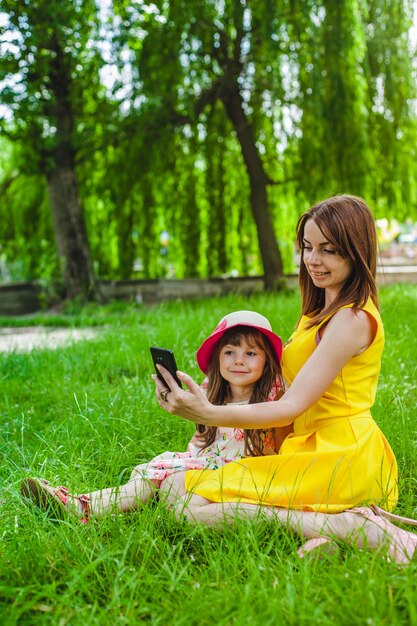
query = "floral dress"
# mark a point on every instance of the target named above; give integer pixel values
(229, 445)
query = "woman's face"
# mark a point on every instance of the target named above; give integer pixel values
(327, 269)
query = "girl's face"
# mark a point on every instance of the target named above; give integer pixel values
(327, 269)
(242, 365)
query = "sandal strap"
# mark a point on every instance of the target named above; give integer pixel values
(392, 516)
(63, 494)
(85, 507)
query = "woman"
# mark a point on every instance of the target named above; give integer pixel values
(336, 459)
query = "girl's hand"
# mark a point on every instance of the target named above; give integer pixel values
(192, 404)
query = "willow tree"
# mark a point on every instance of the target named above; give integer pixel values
(196, 49)
(357, 97)
(49, 70)
(232, 117)
(391, 77)
(298, 83)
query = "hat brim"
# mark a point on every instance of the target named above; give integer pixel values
(205, 351)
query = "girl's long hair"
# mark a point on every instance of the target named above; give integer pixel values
(218, 387)
(347, 223)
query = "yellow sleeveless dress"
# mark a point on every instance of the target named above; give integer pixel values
(337, 457)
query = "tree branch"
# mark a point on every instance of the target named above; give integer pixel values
(208, 96)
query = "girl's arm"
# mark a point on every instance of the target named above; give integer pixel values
(347, 334)
(281, 433)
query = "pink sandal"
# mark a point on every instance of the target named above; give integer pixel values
(54, 500)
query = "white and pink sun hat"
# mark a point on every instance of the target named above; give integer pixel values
(237, 318)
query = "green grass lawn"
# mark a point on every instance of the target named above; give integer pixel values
(84, 415)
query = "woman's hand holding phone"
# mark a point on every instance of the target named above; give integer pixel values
(190, 403)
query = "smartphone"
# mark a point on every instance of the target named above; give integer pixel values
(166, 358)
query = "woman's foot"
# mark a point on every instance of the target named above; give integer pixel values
(318, 548)
(400, 544)
(56, 501)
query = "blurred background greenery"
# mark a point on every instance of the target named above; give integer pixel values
(178, 139)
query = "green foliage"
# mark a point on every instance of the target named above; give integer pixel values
(345, 97)
(392, 128)
(27, 248)
(37, 30)
(85, 415)
(328, 92)
(48, 68)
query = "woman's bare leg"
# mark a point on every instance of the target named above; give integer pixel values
(198, 509)
(363, 529)
(305, 524)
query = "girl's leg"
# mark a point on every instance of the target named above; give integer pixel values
(172, 490)
(123, 498)
(58, 501)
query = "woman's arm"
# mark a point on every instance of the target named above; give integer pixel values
(347, 334)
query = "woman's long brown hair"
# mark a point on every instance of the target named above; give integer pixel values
(218, 387)
(347, 223)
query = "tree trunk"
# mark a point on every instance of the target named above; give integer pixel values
(70, 231)
(270, 253)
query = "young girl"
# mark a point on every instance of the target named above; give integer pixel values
(336, 469)
(242, 361)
